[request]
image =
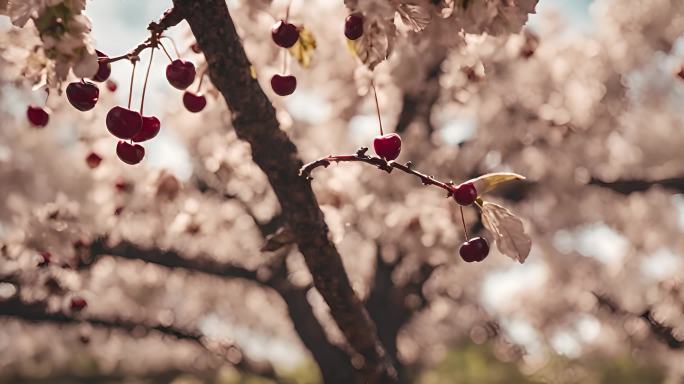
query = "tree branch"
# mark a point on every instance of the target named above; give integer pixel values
(627, 186)
(38, 312)
(169, 19)
(167, 258)
(255, 122)
(378, 162)
(333, 362)
(662, 332)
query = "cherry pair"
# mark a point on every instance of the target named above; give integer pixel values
(181, 74)
(130, 125)
(285, 35)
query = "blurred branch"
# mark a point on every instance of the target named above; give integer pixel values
(418, 105)
(378, 162)
(39, 312)
(661, 331)
(254, 121)
(333, 361)
(168, 258)
(392, 305)
(627, 186)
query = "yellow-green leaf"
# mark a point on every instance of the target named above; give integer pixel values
(304, 48)
(489, 181)
(252, 72)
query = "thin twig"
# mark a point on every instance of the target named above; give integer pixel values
(378, 162)
(170, 18)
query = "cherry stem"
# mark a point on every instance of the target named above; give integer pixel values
(173, 44)
(165, 51)
(147, 75)
(199, 86)
(379, 163)
(377, 106)
(465, 229)
(284, 62)
(287, 10)
(130, 88)
(47, 96)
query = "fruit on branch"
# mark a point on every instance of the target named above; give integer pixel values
(38, 116)
(284, 34)
(93, 160)
(180, 73)
(465, 194)
(123, 123)
(475, 249)
(149, 129)
(387, 146)
(83, 95)
(104, 69)
(353, 26)
(77, 303)
(130, 153)
(111, 85)
(194, 102)
(283, 85)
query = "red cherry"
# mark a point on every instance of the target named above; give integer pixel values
(150, 129)
(111, 85)
(475, 249)
(38, 116)
(104, 69)
(130, 153)
(123, 123)
(93, 160)
(122, 185)
(82, 95)
(387, 146)
(45, 258)
(77, 303)
(464, 194)
(180, 73)
(284, 34)
(194, 102)
(353, 26)
(283, 85)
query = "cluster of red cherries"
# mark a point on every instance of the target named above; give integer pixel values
(131, 126)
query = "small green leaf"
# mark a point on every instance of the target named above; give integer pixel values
(489, 181)
(304, 48)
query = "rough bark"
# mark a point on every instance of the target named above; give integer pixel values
(255, 122)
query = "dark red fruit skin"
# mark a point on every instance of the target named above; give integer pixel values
(387, 146)
(38, 116)
(475, 249)
(130, 153)
(464, 194)
(111, 85)
(283, 85)
(284, 34)
(196, 48)
(104, 69)
(194, 103)
(180, 73)
(353, 26)
(82, 95)
(93, 160)
(150, 129)
(77, 303)
(123, 123)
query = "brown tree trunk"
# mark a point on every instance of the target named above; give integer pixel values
(254, 121)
